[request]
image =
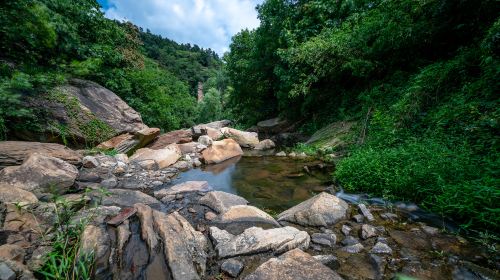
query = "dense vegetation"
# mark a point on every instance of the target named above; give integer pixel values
(47, 42)
(420, 77)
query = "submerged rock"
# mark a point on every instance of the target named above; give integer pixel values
(221, 201)
(296, 265)
(256, 240)
(221, 151)
(321, 210)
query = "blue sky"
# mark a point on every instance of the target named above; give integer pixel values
(207, 23)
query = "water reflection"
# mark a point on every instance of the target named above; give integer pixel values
(267, 182)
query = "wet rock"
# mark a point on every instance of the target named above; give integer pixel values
(256, 240)
(329, 260)
(163, 157)
(12, 252)
(6, 273)
(381, 248)
(205, 140)
(221, 151)
(41, 174)
(294, 264)
(186, 187)
(90, 162)
(366, 212)
(182, 165)
(125, 198)
(411, 240)
(221, 201)
(10, 194)
(16, 152)
(281, 154)
(209, 216)
(243, 138)
(321, 210)
(379, 264)
(346, 230)
(353, 249)
(326, 239)
(358, 266)
(184, 248)
(240, 217)
(232, 267)
(172, 137)
(368, 231)
(358, 218)
(389, 216)
(430, 230)
(266, 144)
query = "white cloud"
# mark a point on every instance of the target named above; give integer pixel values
(207, 23)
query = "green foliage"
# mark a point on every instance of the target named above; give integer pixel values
(211, 108)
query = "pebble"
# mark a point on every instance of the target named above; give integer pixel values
(232, 267)
(349, 240)
(368, 231)
(191, 210)
(381, 248)
(358, 218)
(6, 273)
(346, 230)
(326, 239)
(366, 212)
(353, 249)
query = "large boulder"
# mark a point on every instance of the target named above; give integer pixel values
(15, 152)
(245, 139)
(256, 240)
(87, 111)
(163, 157)
(41, 174)
(9, 194)
(221, 151)
(221, 201)
(172, 137)
(240, 217)
(321, 210)
(294, 264)
(272, 126)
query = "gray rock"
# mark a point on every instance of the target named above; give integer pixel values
(126, 198)
(321, 210)
(6, 273)
(358, 218)
(205, 140)
(329, 260)
(221, 201)
(368, 231)
(389, 216)
(186, 187)
(232, 267)
(346, 230)
(430, 230)
(16, 152)
(326, 239)
(353, 249)
(366, 212)
(266, 144)
(349, 240)
(281, 154)
(90, 162)
(381, 248)
(256, 240)
(240, 217)
(109, 183)
(294, 264)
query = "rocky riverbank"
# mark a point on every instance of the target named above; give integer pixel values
(140, 226)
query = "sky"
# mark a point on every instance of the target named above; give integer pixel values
(206, 23)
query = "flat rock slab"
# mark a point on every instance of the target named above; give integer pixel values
(293, 265)
(122, 216)
(127, 198)
(256, 240)
(186, 187)
(163, 157)
(172, 137)
(240, 217)
(15, 152)
(321, 210)
(221, 201)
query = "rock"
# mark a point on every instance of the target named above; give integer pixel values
(326, 239)
(146, 135)
(10, 194)
(163, 157)
(122, 158)
(205, 140)
(240, 217)
(292, 154)
(209, 216)
(272, 126)
(266, 144)
(427, 229)
(16, 152)
(412, 240)
(353, 249)
(243, 138)
(321, 210)
(293, 265)
(41, 174)
(120, 168)
(95, 240)
(6, 273)
(346, 230)
(148, 234)
(124, 214)
(123, 143)
(389, 216)
(90, 162)
(186, 187)
(281, 154)
(366, 212)
(232, 267)
(12, 252)
(148, 164)
(172, 137)
(197, 162)
(221, 201)
(368, 231)
(214, 133)
(125, 198)
(109, 183)
(381, 248)
(349, 240)
(184, 248)
(221, 151)
(358, 218)
(329, 260)
(256, 240)
(212, 129)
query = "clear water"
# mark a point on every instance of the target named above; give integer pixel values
(268, 182)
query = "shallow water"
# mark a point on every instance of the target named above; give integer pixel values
(268, 182)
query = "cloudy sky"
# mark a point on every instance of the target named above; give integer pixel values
(207, 23)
